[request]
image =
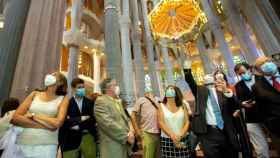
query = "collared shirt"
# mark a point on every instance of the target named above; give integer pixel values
(149, 120)
(269, 78)
(210, 115)
(79, 103)
(250, 83)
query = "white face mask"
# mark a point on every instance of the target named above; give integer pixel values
(117, 91)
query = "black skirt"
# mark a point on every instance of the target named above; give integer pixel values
(169, 150)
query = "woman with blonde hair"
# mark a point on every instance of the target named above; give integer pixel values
(41, 114)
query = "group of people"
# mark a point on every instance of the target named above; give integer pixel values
(226, 120)
(231, 119)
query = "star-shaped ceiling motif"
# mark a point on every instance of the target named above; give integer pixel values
(174, 18)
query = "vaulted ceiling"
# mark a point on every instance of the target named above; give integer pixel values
(174, 18)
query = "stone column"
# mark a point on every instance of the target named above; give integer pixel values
(41, 46)
(137, 50)
(15, 14)
(215, 27)
(96, 72)
(203, 53)
(177, 55)
(158, 72)
(112, 40)
(167, 64)
(127, 67)
(261, 28)
(238, 26)
(182, 52)
(150, 49)
(158, 69)
(270, 16)
(74, 48)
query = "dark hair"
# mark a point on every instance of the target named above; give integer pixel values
(9, 105)
(178, 97)
(104, 84)
(76, 81)
(238, 66)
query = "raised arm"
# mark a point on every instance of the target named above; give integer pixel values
(107, 123)
(54, 122)
(20, 118)
(189, 77)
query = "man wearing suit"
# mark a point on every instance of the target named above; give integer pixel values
(113, 124)
(267, 93)
(77, 136)
(213, 116)
(252, 111)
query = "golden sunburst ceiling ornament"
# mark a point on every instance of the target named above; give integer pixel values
(174, 18)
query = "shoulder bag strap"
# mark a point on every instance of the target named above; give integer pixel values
(153, 103)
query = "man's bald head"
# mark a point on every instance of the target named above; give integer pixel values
(261, 60)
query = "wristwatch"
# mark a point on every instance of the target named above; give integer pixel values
(32, 115)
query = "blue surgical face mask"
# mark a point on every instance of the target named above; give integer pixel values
(247, 76)
(269, 68)
(80, 92)
(170, 93)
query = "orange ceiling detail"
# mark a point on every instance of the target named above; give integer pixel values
(173, 18)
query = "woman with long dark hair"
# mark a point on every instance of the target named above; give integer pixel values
(174, 124)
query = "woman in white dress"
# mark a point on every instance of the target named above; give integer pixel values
(174, 124)
(41, 114)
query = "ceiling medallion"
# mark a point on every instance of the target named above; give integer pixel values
(175, 18)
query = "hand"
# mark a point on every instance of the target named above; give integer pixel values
(237, 113)
(75, 127)
(221, 86)
(187, 64)
(174, 138)
(130, 138)
(179, 145)
(180, 136)
(83, 118)
(248, 104)
(140, 144)
(28, 115)
(138, 135)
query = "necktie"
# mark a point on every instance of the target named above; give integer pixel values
(216, 109)
(275, 83)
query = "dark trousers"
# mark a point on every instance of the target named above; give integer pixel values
(216, 145)
(275, 142)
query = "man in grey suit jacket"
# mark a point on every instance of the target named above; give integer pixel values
(112, 123)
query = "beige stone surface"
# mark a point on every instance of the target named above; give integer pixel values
(41, 44)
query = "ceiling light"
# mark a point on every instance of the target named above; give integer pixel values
(2, 23)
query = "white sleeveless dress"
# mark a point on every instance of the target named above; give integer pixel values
(175, 121)
(40, 143)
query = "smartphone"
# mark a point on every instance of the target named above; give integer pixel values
(220, 77)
